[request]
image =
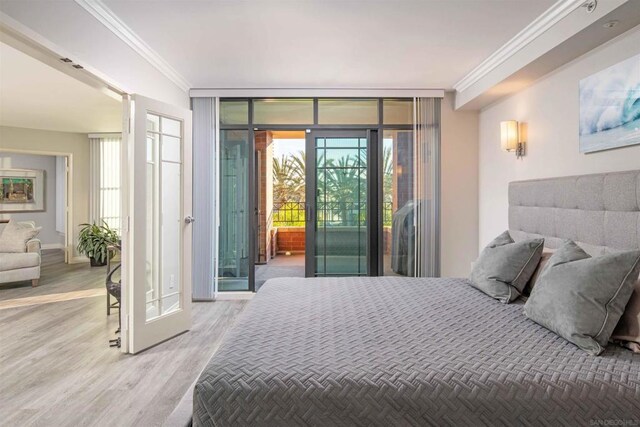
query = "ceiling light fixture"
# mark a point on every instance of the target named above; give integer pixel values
(610, 24)
(590, 6)
(65, 60)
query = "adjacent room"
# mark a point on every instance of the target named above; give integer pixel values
(327, 213)
(60, 216)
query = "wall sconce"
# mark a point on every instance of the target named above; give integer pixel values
(513, 136)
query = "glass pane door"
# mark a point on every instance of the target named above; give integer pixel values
(399, 233)
(337, 226)
(157, 237)
(163, 264)
(233, 268)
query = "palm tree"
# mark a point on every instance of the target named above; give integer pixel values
(344, 184)
(299, 161)
(289, 185)
(281, 184)
(297, 177)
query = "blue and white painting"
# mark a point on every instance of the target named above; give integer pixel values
(610, 107)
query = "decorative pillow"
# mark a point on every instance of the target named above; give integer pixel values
(627, 333)
(504, 267)
(14, 237)
(582, 298)
(544, 259)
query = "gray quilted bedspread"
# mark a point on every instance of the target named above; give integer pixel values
(398, 351)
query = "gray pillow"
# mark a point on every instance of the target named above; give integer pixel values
(582, 298)
(504, 267)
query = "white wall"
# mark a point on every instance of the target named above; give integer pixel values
(550, 109)
(57, 142)
(47, 219)
(459, 180)
(84, 39)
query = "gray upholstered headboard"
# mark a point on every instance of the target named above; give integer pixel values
(601, 212)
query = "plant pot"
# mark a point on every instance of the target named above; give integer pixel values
(96, 263)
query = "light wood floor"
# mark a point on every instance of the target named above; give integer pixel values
(56, 368)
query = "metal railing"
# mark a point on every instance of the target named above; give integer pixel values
(292, 214)
(289, 214)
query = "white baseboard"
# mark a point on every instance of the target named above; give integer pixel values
(233, 295)
(47, 246)
(78, 260)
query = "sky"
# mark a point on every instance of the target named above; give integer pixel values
(287, 147)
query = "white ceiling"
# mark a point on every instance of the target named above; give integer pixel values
(35, 95)
(326, 43)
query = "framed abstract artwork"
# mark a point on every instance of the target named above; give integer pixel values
(610, 107)
(22, 190)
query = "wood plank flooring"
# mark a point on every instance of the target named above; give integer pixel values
(56, 368)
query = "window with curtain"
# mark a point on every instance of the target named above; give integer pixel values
(105, 181)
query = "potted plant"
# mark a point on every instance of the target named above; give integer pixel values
(93, 241)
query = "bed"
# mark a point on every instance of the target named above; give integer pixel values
(405, 351)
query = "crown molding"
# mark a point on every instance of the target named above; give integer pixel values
(313, 93)
(542, 23)
(110, 20)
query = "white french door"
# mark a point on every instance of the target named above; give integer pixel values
(157, 229)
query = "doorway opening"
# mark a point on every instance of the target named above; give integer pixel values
(57, 183)
(56, 169)
(280, 183)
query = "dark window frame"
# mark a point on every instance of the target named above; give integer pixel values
(377, 130)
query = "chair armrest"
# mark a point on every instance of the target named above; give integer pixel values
(34, 245)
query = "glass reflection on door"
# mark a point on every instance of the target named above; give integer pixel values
(398, 204)
(233, 265)
(341, 206)
(163, 265)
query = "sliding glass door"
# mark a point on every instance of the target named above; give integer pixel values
(398, 203)
(338, 216)
(370, 199)
(234, 253)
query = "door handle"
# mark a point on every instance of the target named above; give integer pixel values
(307, 212)
(189, 219)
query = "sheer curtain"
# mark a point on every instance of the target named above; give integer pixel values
(205, 200)
(104, 180)
(427, 186)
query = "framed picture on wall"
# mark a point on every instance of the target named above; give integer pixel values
(22, 190)
(610, 107)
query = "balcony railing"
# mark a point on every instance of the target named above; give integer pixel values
(292, 214)
(289, 214)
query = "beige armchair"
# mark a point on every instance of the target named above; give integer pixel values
(17, 267)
